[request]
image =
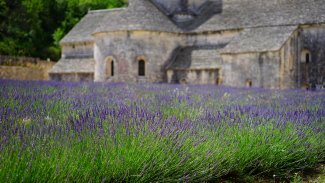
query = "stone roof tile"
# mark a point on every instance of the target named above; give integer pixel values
(236, 14)
(192, 58)
(140, 15)
(259, 39)
(258, 13)
(82, 31)
(74, 66)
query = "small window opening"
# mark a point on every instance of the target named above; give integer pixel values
(307, 58)
(183, 81)
(249, 83)
(112, 68)
(218, 81)
(142, 68)
(110, 64)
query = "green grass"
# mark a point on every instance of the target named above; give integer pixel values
(79, 134)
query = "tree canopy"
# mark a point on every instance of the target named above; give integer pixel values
(35, 27)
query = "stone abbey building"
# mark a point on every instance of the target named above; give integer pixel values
(260, 43)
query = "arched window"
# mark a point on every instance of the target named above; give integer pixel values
(109, 67)
(218, 81)
(249, 83)
(112, 68)
(305, 56)
(183, 81)
(142, 68)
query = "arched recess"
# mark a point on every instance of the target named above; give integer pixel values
(110, 67)
(183, 81)
(306, 59)
(305, 56)
(142, 66)
(249, 83)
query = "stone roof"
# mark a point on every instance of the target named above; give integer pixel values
(189, 14)
(140, 15)
(192, 58)
(74, 66)
(83, 30)
(236, 14)
(259, 39)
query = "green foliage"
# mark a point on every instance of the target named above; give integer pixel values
(35, 27)
(3, 9)
(57, 36)
(78, 132)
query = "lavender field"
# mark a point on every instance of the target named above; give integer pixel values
(94, 132)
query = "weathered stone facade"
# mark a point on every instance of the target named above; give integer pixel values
(265, 43)
(128, 48)
(312, 41)
(24, 68)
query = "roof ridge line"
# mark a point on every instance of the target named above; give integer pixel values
(106, 10)
(270, 26)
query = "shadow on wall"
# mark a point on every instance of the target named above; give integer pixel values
(189, 14)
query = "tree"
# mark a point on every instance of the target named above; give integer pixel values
(35, 27)
(14, 28)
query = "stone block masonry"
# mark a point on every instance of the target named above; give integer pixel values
(24, 68)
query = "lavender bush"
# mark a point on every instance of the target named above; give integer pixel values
(94, 132)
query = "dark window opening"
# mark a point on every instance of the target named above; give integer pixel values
(218, 81)
(307, 58)
(183, 81)
(112, 68)
(142, 68)
(249, 83)
(109, 67)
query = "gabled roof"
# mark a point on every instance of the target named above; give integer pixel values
(74, 66)
(259, 39)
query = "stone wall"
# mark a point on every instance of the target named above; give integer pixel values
(157, 49)
(127, 48)
(210, 38)
(76, 77)
(194, 76)
(290, 63)
(286, 68)
(313, 40)
(251, 69)
(78, 50)
(38, 71)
